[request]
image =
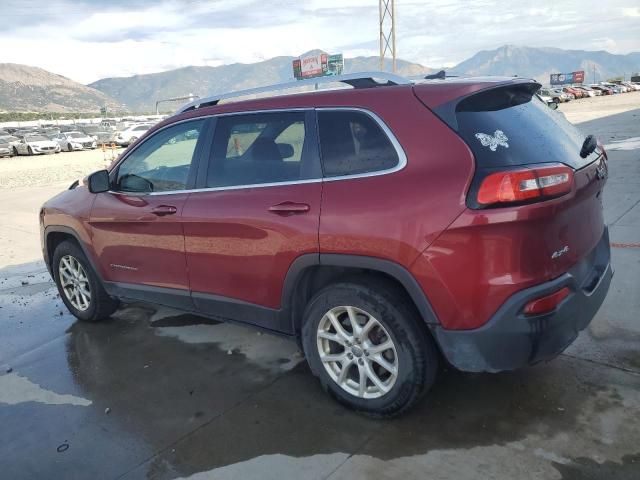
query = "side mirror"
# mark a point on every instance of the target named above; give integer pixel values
(553, 105)
(286, 150)
(99, 181)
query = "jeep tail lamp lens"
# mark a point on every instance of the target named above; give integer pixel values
(525, 184)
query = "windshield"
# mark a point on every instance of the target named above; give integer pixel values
(76, 135)
(37, 138)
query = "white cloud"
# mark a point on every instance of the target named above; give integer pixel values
(86, 41)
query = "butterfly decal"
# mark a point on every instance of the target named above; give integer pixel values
(492, 141)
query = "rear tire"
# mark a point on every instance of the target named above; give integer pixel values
(397, 350)
(79, 287)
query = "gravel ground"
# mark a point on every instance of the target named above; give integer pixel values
(586, 109)
(41, 170)
(68, 166)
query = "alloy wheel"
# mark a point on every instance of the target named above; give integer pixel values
(75, 282)
(357, 352)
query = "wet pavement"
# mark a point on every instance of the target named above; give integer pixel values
(154, 393)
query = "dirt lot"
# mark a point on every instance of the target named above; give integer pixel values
(586, 109)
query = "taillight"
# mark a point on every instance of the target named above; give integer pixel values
(546, 304)
(526, 184)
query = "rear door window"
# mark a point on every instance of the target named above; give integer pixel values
(352, 142)
(509, 126)
(263, 148)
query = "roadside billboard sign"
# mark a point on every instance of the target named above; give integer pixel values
(567, 78)
(317, 65)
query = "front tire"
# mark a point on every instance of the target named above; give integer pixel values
(367, 346)
(69, 148)
(79, 286)
(30, 151)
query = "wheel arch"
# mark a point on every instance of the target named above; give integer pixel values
(56, 234)
(309, 273)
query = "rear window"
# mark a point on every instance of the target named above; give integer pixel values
(352, 142)
(510, 126)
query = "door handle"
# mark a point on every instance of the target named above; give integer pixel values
(162, 210)
(289, 208)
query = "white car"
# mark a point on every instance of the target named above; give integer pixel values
(71, 141)
(590, 92)
(631, 85)
(12, 141)
(36, 144)
(131, 134)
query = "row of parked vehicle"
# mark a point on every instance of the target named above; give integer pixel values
(69, 138)
(566, 94)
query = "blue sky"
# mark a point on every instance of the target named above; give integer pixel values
(86, 40)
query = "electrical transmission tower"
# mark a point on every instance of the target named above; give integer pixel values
(387, 31)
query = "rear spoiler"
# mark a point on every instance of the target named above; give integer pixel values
(444, 101)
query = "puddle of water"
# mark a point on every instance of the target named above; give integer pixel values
(15, 389)
(266, 350)
(263, 349)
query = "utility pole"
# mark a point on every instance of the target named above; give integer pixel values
(387, 11)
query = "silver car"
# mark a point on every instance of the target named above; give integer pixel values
(10, 142)
(36, 144)
(71, 141)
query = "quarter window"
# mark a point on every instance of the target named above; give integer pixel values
(352, 142)
(163, 162)
(261, 148)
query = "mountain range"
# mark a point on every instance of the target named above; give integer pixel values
(26, 88)
(539, 63)
(140, 92)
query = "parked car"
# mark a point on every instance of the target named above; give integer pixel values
(71, 141)
(547, 99)
(556, 95)
(631, 86)
(36, 144)
(6, 149)
(12, 142)
(559, 94)
(131, 134)
(312, 216)
(615, 87)
(603, 89)
(588, 91)
(576, 92)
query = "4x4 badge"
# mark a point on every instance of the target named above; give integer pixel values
(498, 138)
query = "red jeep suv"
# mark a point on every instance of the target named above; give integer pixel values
(386, 227)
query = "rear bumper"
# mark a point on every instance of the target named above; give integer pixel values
(511, 340)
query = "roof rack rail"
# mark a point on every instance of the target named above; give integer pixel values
(356, 80)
